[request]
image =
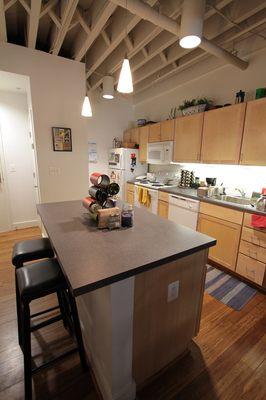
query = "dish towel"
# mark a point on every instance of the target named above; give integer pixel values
(140, 194)
(258, 221)
(146, 198)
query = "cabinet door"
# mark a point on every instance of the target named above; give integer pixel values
(188, 135)
(130, 197)
(163, 209)
(143, 141)
(155, 132)
(134, 136)
(167, 130)
(127, 136)
(253, 151)
(227, 235)
(222, 134)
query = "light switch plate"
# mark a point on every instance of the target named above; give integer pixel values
(173, 291)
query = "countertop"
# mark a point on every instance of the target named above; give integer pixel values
(192, 194)
(91, 258)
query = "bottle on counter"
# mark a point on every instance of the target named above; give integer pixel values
(127, 216)
(261, 202)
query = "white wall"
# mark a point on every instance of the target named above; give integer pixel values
(219, 84)
(110, 119)
(18, 156)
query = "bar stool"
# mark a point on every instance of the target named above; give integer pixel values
(35, 281)
(31, 250)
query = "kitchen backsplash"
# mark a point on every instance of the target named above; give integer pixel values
(232, 176)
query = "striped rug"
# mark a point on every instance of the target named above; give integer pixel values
(227, 289)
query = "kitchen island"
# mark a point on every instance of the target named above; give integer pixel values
(139, 291)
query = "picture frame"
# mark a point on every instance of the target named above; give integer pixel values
(62, 138)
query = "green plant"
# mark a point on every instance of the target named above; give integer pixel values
(194, 102)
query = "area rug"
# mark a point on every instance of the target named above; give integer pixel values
(228, 290)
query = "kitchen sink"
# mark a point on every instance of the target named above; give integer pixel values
(234, 199)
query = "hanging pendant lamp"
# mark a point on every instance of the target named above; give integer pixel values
(86, 107)
(191, 23)
(125, 84)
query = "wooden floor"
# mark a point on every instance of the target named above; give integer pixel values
(226, 361)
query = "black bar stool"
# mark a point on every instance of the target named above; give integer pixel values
(35, 281)
(31, 250)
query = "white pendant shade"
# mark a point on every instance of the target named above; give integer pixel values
(108, 87)
(86, 108)
(191, 23)
(125, 84)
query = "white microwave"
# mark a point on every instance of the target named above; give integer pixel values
(160, 153)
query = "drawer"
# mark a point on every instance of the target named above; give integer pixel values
(253, 251)
(164, 196)
(254, 236)
(250, 268)
(227, 214)
(130, 187)
(247, 222)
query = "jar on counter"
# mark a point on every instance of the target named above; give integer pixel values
(127, 216)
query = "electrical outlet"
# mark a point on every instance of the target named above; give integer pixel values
(173, 290)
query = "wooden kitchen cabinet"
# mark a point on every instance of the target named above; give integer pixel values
(222, 134)
(131, 136)
(251, 269)
(163, 204)
(227, 235)
(130, 193)
(167, 130)
(143, 142)
(155, 132)
(187, 139)
(254, 138)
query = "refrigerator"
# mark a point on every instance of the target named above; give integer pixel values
(124, 165)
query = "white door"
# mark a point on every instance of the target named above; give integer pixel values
(34, 160)
(4, 208)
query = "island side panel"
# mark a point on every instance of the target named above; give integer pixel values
(162, 330)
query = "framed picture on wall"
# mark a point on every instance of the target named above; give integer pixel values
(62, 139)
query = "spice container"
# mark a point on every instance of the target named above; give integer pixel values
(127, 216)
(114, 221)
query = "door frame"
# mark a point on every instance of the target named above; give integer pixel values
(3, 174)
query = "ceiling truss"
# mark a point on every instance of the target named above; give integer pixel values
(101, 32)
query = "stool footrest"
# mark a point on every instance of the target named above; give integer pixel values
(44, 311)
(35, 327)
(54, 360)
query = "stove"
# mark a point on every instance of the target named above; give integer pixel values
(152, 185)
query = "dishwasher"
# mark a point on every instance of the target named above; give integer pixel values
(183, 211)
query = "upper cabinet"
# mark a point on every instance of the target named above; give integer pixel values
(143, 141)
(188, 135)
(167, 130)
(253, 151)
(131, 136)
(155, 132)
(222, 134)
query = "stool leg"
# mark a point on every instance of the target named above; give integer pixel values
(62, 307)
(77, 331)
(18, 313)
(26, 340)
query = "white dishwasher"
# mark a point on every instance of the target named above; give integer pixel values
(183, 211)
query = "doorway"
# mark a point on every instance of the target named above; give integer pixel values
(19, 189)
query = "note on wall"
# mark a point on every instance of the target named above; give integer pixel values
(93, 152)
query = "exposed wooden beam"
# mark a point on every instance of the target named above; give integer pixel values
(33, 23)
(142, 9)
(54, 18)
(3, 33)
(9, 4)
(106, 38)
(67, 13)
(25, 5)
(83, 23)
(47, 7)
(122, 23)
(101, 10)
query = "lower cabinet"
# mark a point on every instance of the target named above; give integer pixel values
(227, 235)
(130, 194)
(163, 207)
(251, 268)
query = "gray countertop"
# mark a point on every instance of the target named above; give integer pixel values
(192, 194)
(91, 258)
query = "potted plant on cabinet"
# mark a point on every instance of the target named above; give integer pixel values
(194, 106)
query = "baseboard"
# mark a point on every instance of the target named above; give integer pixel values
(25, 224)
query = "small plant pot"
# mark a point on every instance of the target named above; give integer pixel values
(194, 109)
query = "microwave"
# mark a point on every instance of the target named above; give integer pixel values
(160, 153)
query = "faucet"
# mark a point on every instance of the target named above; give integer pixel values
(241, 191)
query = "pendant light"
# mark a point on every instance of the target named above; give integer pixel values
(86, 106)
(191, 23)
(125, 84)
(108, 87)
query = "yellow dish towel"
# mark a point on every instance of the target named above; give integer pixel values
(146, 198)
(140, 194)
